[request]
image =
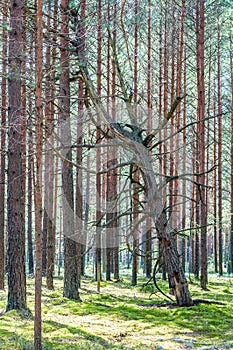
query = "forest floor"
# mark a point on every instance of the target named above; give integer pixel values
(123, 317)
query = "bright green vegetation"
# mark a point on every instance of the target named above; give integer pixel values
(123, 317)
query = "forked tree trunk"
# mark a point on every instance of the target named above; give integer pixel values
(177, 282)
(176, 277)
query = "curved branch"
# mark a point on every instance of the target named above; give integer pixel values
(155, 281)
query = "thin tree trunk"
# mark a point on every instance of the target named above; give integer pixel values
(79, 176)
(79, 184)
(231, 232)
(184, 185)
(98, 151)
(30, 191)
(51, 189)
(3, 150)
(30, 175)
(200, 13)
(220, 234)
(165, 109)
(38, 190)
(135, 208)
(114, 156)
(172, 188)
(60, 242)
(51, 239)
(45, 224)
(135, 175)
(215, 189)
(87, 201)
(148, 245)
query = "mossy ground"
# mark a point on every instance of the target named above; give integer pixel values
(122, 317)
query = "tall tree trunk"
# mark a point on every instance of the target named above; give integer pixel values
(220, 238)
(215, 189)
(172, 188)
(98, 152)
(71, 268)
(15, 188)
(184, 185)
(51, 190)
(79, 183)
(79, 175)
(30, 175)
(163, 133)
(148, 260)
(200, 13)
(135, 175)
(3, 150)
(45, 222)
(231, 233)
(38, 189)
(30, 190)
(115, 251)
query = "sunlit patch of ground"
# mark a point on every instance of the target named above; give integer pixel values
(123, 317)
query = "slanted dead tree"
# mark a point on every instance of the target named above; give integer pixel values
(130, 137)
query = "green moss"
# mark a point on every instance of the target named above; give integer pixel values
(122, 317)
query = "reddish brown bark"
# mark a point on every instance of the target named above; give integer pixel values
(3, 150)
(135, 175)
(15, 187)
(200, 50)
(184, 187)
(38, 190)
(79, 176)
(30, 159)
(51, 189)
(148, 260)
(98, 151)
(30, 191)
(114, 155)
(135, 208)
(172, 188)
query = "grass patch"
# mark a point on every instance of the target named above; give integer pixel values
(122, 317)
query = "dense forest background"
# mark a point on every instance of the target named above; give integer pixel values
(116, 143)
